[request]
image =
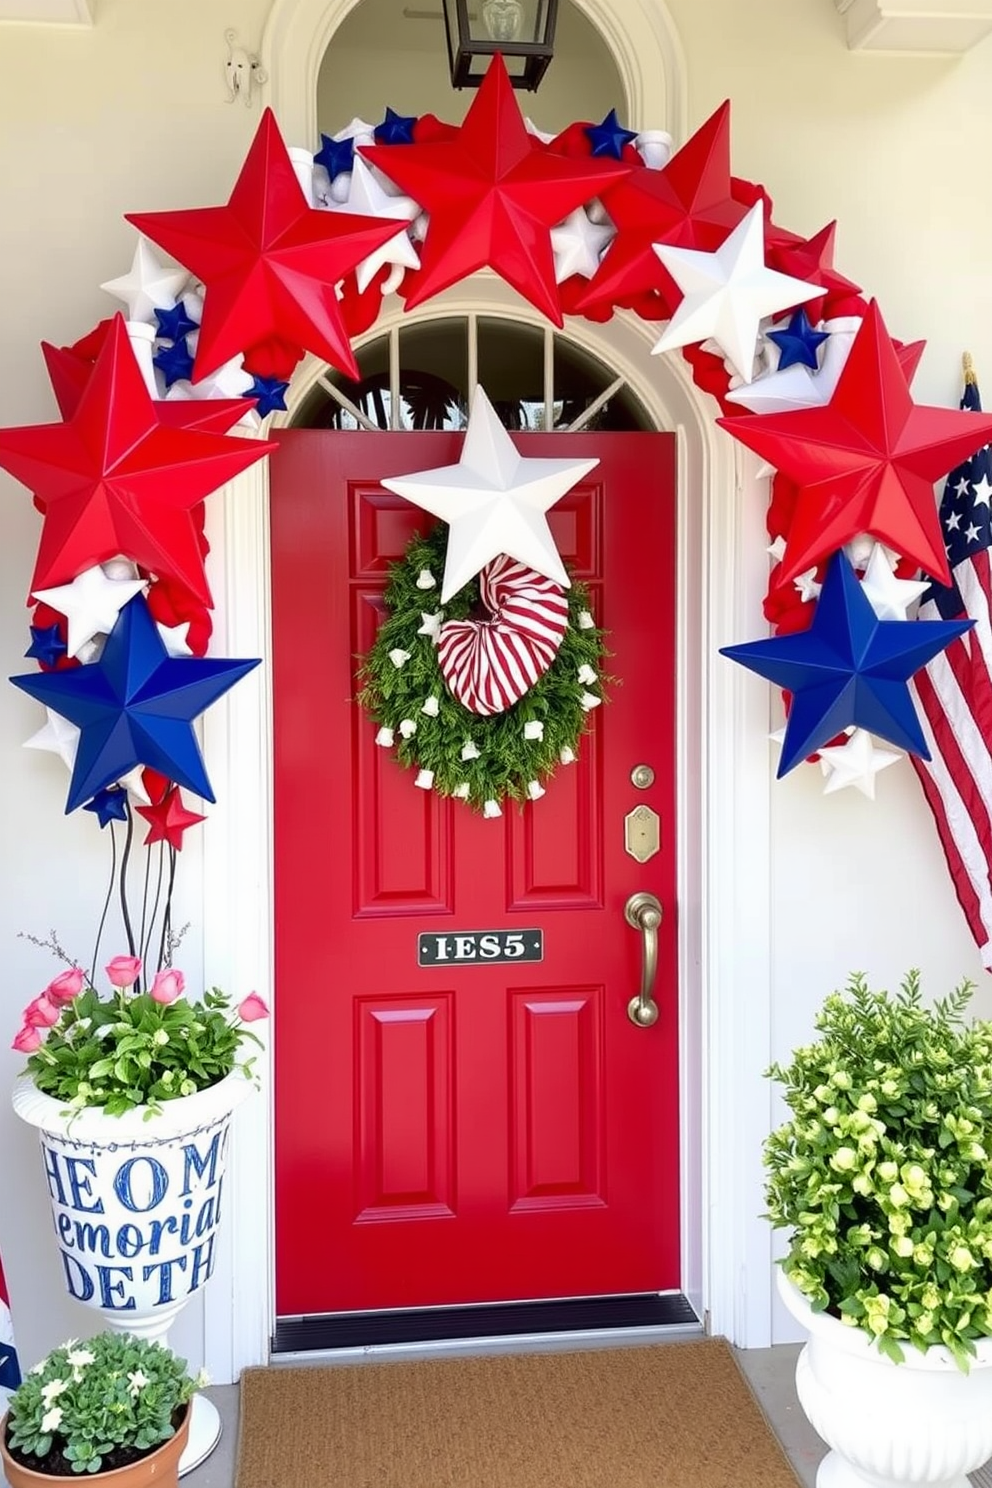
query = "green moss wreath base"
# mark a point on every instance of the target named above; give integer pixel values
(505, 760)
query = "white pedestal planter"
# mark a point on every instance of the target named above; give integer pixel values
(136, 1206)
(922, 1422)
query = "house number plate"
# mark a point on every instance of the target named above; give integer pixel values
(469, 947)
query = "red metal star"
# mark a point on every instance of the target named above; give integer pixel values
(116, 478)
(811, 259)
(168, 819)
(493, 193)
(689, 204)
(269, 262)
(866, 461)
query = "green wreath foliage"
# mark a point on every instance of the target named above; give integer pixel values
(507, 761)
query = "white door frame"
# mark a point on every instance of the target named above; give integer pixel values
(723, 764)
(723, 830)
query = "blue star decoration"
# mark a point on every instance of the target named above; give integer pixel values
(47, 644)
(395, 129)
(335, 155)
(135, 706)
(175, 323)
(109, 805)
(174, 362)
(848, 668)
(798, 342)
(269, 394)
(609, 138)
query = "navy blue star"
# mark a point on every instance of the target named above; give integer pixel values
(335, 155)
(109, 805)
(798, 342)
(135, 706)
(395, 129)
(174, 362)
(47, 645)
(609, 137)
(849, 667)
(174, 324)
(270, 394)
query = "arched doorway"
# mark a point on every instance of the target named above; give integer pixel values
(723, 792)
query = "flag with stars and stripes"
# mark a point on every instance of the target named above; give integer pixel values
(10, 1375)
(954, 692)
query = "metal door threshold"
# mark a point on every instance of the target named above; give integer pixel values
(495, 1327)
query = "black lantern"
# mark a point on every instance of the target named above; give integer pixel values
(522, 31)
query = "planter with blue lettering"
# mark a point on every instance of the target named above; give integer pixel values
(136, 1204)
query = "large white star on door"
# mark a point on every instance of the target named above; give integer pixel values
(494, 501)
(726, 293)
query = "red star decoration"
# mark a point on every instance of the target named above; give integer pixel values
(168, 819)
(269, 262)
(810, 259)
(115, 477)
(493, 193)
(689, 204)
(867, 461)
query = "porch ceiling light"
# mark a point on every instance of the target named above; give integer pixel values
(522, 30)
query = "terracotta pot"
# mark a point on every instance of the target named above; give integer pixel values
(160, 1467)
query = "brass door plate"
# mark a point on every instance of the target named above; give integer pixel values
(642, 833)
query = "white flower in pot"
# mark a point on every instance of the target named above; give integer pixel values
(882, 1177)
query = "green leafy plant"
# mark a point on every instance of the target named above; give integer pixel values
(479, 759)
(882, 1173)
(98, 1405)
(132, 1048)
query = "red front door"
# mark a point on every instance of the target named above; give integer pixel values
(467, 1132)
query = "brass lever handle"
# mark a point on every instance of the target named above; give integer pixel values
(643, 912)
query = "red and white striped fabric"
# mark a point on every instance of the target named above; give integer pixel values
(489, 664)
(10, 1375)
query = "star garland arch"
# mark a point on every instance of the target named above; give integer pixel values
(592, 220)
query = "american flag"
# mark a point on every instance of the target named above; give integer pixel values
(954, 692)
(10, 1374)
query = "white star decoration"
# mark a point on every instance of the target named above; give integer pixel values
(368, 198)
(175, 639)
(889, 597)
(147, 286)
(578, 245)
(58, 736)
(494, 501)
(91, 604)
(855, 763)
(798, 386)
(726, 293)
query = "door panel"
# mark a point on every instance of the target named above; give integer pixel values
(461, 1133)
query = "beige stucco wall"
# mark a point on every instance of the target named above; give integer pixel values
(132, 115)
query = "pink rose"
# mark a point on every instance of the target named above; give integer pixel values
(27, 1040)
(41, 1013)
(124, 971)
(65, 987)
(167, 986)
(252, 1008)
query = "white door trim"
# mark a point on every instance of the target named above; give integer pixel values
(723, 870)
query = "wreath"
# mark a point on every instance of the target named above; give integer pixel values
(482, 760)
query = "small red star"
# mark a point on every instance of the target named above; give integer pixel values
(493, 194)
(810, 259)
(867, 460)
(117, 477)
(269, 262)
(689, 204)
(169, 819)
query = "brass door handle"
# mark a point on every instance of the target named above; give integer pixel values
(643, 912)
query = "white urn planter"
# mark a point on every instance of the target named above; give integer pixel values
(923, 1422)
(136, 1206)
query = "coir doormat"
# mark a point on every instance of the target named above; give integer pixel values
(677, 1415)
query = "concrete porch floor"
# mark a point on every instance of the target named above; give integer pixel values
(770, 1371)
